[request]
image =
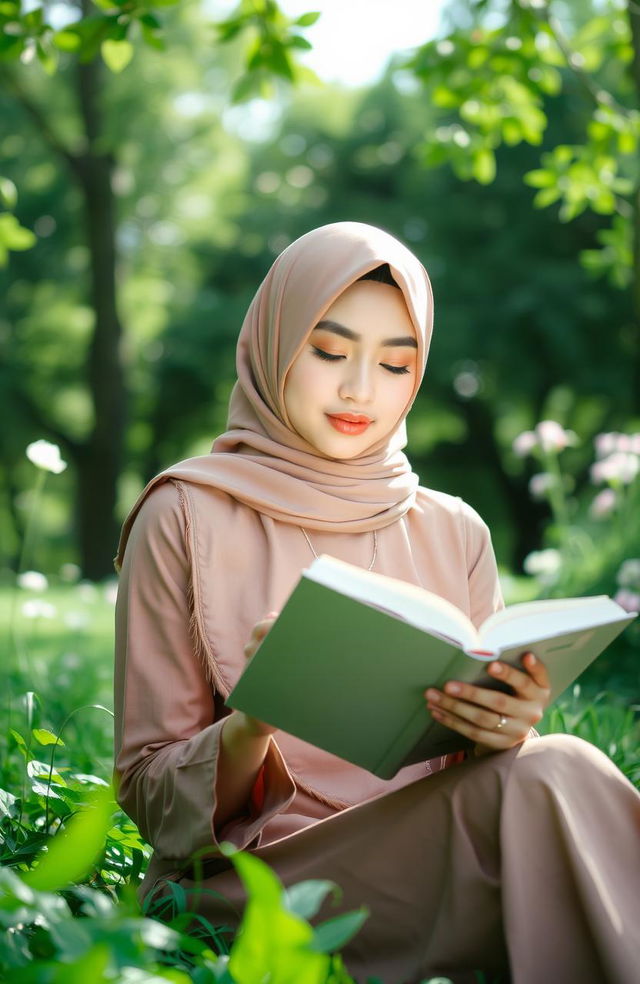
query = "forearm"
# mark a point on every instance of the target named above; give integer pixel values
(243, 750)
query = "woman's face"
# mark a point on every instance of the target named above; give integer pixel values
(351, 382)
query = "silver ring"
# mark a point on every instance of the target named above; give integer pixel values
(501, 723)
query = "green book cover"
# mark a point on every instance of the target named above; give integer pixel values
(345, 667)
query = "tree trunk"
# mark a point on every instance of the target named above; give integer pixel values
(99, 461)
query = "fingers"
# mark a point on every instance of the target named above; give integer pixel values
(529, 683)
(511, 733)
(476, 721)
(536, 670)
(258, 633)
(490, 717)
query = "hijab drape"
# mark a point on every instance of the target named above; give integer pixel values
(260, 460)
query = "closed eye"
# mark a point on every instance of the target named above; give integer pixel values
(399, 370)
(326, 355)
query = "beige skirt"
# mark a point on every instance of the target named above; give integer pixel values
(524, 863)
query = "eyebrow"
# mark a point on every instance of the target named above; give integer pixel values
(337, 329)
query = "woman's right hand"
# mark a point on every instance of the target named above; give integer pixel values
(258, 633)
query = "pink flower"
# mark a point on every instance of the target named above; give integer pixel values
(629, 600)
(524, 444)
(604, 504)
(605, 444)
(628, 575)
(553, 437)
(614, 441)
(548, 436)
(617, 467)
(541, 484)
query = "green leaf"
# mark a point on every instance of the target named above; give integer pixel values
(271, 939)
(279, 62)
(7, 801)
(297, 41)
(8, 193)
(627, 142)
(11, 47)
(92, 966)
(47, 58)
(66, 40)
(72, 853)
(604, 203)
(247, 87)
(444, 97)
(546, 197)
(477, 56)
(229, 29)
(511, 132)
(45, 737)
(484, 166)
(305, 898)
(308, 19)
(153, 39)
(17, 737)
(116, 54)
(33, 20)
(334, 933)
(540, 178)
(15, 237)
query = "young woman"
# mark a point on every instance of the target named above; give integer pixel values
(522, 856)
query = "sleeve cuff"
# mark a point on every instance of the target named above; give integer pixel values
(273, 791)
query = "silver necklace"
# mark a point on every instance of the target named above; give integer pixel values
(375, 546)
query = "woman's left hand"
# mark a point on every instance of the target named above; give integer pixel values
(492, 719)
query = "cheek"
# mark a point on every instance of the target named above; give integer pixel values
(398, 397)
(298, 385)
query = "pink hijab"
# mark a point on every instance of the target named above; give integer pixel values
(260, 460)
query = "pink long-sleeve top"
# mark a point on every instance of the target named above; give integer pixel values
(179, 651)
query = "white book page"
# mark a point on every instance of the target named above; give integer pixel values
(535, 620)
(423, 609)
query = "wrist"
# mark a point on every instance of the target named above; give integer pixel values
(241, 729)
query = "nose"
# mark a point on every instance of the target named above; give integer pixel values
(357, 383)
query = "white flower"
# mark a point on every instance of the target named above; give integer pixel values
(70, 572)
(552, 437)
(604, 504)
(543, 563)
(605, 444)
(548, 435)
(540, 485)
(629, 600)
(45, 455)
(524, 444)
(613, 441)
(76, 620)
(33, 581)
(38, 609)
(87, 591)
(617, 467)
(629, 574)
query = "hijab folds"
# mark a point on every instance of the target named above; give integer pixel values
(260, 460)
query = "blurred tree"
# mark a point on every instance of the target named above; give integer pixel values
(94, 33)
(495, 86)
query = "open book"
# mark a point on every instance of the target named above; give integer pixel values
(346, 663)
